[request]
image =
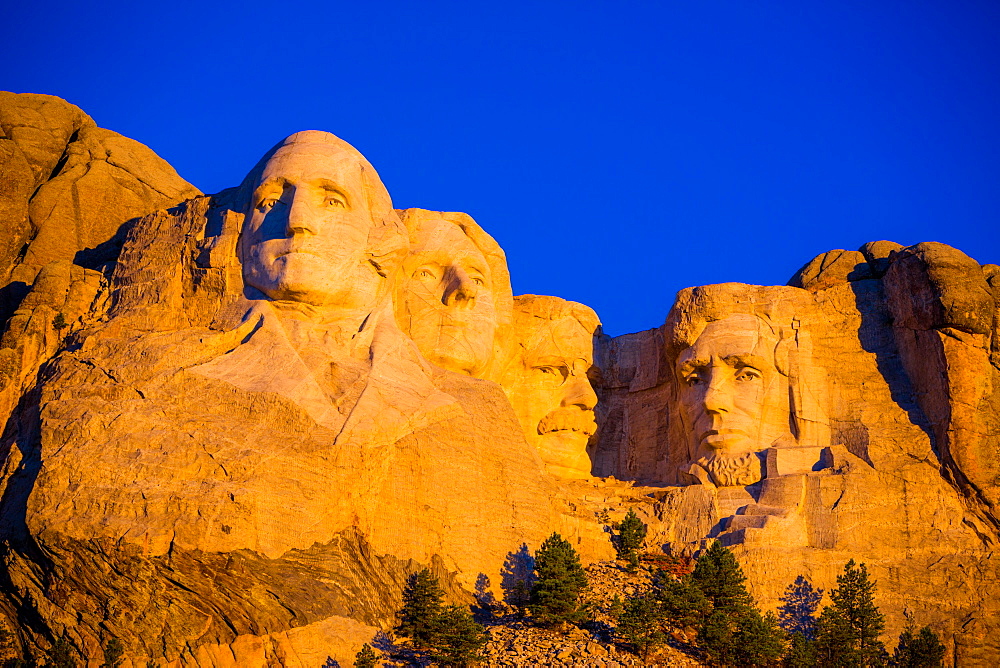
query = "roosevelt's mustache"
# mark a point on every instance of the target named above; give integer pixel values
(568, 419)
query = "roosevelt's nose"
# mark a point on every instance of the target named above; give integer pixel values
(579, 393)
(300, 217)
(461, 291)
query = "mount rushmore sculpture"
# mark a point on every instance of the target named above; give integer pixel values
(236, 423)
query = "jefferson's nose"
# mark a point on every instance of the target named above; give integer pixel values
(579, 393)
(461, 291)
(300, 217)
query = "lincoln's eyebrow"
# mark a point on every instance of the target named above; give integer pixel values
(690, 365)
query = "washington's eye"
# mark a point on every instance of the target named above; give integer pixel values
(336, 200)
(748, 374)
(267, 203)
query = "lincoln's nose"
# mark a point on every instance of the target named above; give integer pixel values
(718, 395)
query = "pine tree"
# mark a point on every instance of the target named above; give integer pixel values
(719, 576)
(797, 617)
(797, 613)
(682, 604)
(801, 652)
(457, 639)
(365, 658)
(734, 632)
(113, 654)
(757, 639)
(631, 534)
(918, 650)
(61, 654)
(641, 624)
(848, 631)
(559, 582)
(421, 606)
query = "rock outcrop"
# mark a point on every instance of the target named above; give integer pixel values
(67, 192)
(235, 424)
(892, 445)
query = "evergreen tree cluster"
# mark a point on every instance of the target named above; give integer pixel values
(448, 634)
(560, 581)
(713, 604)
(631, 534)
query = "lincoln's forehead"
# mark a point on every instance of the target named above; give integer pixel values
(737, 335)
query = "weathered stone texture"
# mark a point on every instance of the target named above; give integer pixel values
(236, 424)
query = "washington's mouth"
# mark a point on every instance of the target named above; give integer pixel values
(568, 420)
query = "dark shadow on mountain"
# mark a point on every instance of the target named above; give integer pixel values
(876, 336)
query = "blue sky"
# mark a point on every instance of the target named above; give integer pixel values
(618, 151)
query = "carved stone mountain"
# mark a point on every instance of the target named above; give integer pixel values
(235, 424)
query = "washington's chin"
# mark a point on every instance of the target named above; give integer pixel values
(303, 281)
(452, 353)
(457, 363)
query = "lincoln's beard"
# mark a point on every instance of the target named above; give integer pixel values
(732, 470)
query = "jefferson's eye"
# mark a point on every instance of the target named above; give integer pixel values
(747, 374)
(425, 274)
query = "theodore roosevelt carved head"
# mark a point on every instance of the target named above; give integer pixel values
(547, 379)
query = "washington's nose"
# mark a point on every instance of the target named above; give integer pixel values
(300, 219)
(461, 291)
(579, 393)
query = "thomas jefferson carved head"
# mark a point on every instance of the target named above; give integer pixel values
(547, 380)
(319, 226)
(454, 291)
(733, 399)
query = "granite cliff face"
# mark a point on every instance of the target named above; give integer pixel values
(234, 424)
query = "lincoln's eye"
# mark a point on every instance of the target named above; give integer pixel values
(478, 281)
(691, 381)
